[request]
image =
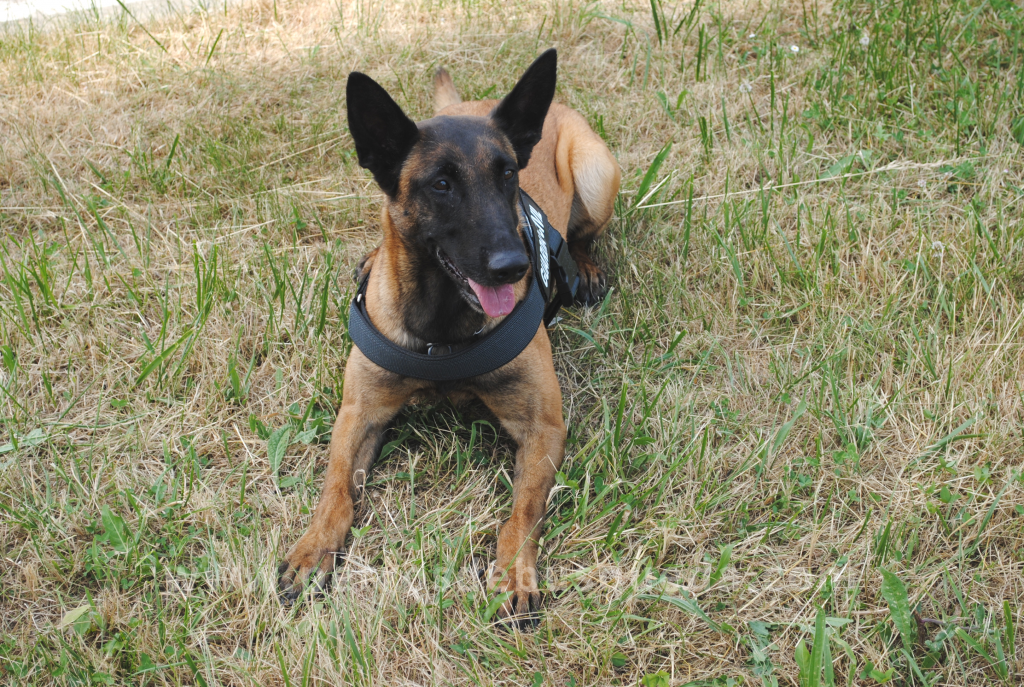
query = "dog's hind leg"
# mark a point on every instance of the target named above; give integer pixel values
(444, 90)
(595, 175)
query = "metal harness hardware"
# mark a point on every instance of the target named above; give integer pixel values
(553, 284)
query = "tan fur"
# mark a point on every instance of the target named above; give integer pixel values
(445, 94)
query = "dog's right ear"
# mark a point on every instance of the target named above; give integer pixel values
(521, 113)
(382, 133)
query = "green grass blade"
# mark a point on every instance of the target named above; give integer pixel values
(1008, 630)
(723, 562)
(652, 172)
(817, 651)
(160, 359)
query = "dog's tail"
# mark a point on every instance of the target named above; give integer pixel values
(444, 90)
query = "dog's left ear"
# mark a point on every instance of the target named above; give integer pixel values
(520, 115)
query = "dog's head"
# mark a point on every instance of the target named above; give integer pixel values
(452, 182)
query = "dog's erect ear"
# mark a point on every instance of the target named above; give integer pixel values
(382, 133)
(520, 115)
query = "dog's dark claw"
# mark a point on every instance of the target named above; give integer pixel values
(521, 611)
(291, 584)
(593, 279)
(288, 589)
(593, 288)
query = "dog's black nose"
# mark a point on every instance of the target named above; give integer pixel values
(508, 267)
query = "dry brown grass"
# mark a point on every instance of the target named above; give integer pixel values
(843, 396)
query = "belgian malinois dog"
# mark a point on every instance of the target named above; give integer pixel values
(452, 265)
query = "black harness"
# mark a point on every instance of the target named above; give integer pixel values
(554, 283)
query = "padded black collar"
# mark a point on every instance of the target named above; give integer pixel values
(554, 282)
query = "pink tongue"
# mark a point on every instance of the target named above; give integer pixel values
(496, 301)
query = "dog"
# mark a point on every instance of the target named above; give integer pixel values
(452, 264)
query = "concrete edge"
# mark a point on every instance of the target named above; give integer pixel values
(44, 14)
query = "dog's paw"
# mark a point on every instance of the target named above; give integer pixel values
(305, 568)
(593, 285)
(521, 606)
(593, 280)
(363, 268)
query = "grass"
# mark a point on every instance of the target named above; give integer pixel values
(796, 425)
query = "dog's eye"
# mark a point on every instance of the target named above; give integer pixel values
(441, 185)
(509, 173)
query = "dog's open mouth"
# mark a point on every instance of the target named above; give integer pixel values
(495, 301)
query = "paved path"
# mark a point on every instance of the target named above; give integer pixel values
(40, 10)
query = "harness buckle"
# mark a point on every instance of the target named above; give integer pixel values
(438, 349)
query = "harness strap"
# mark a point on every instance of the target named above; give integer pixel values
(499, 347)
(554, 283)
(560, 277)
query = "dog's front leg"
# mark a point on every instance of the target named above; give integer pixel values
(515, 568)
(370, 400)
(529, 406)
